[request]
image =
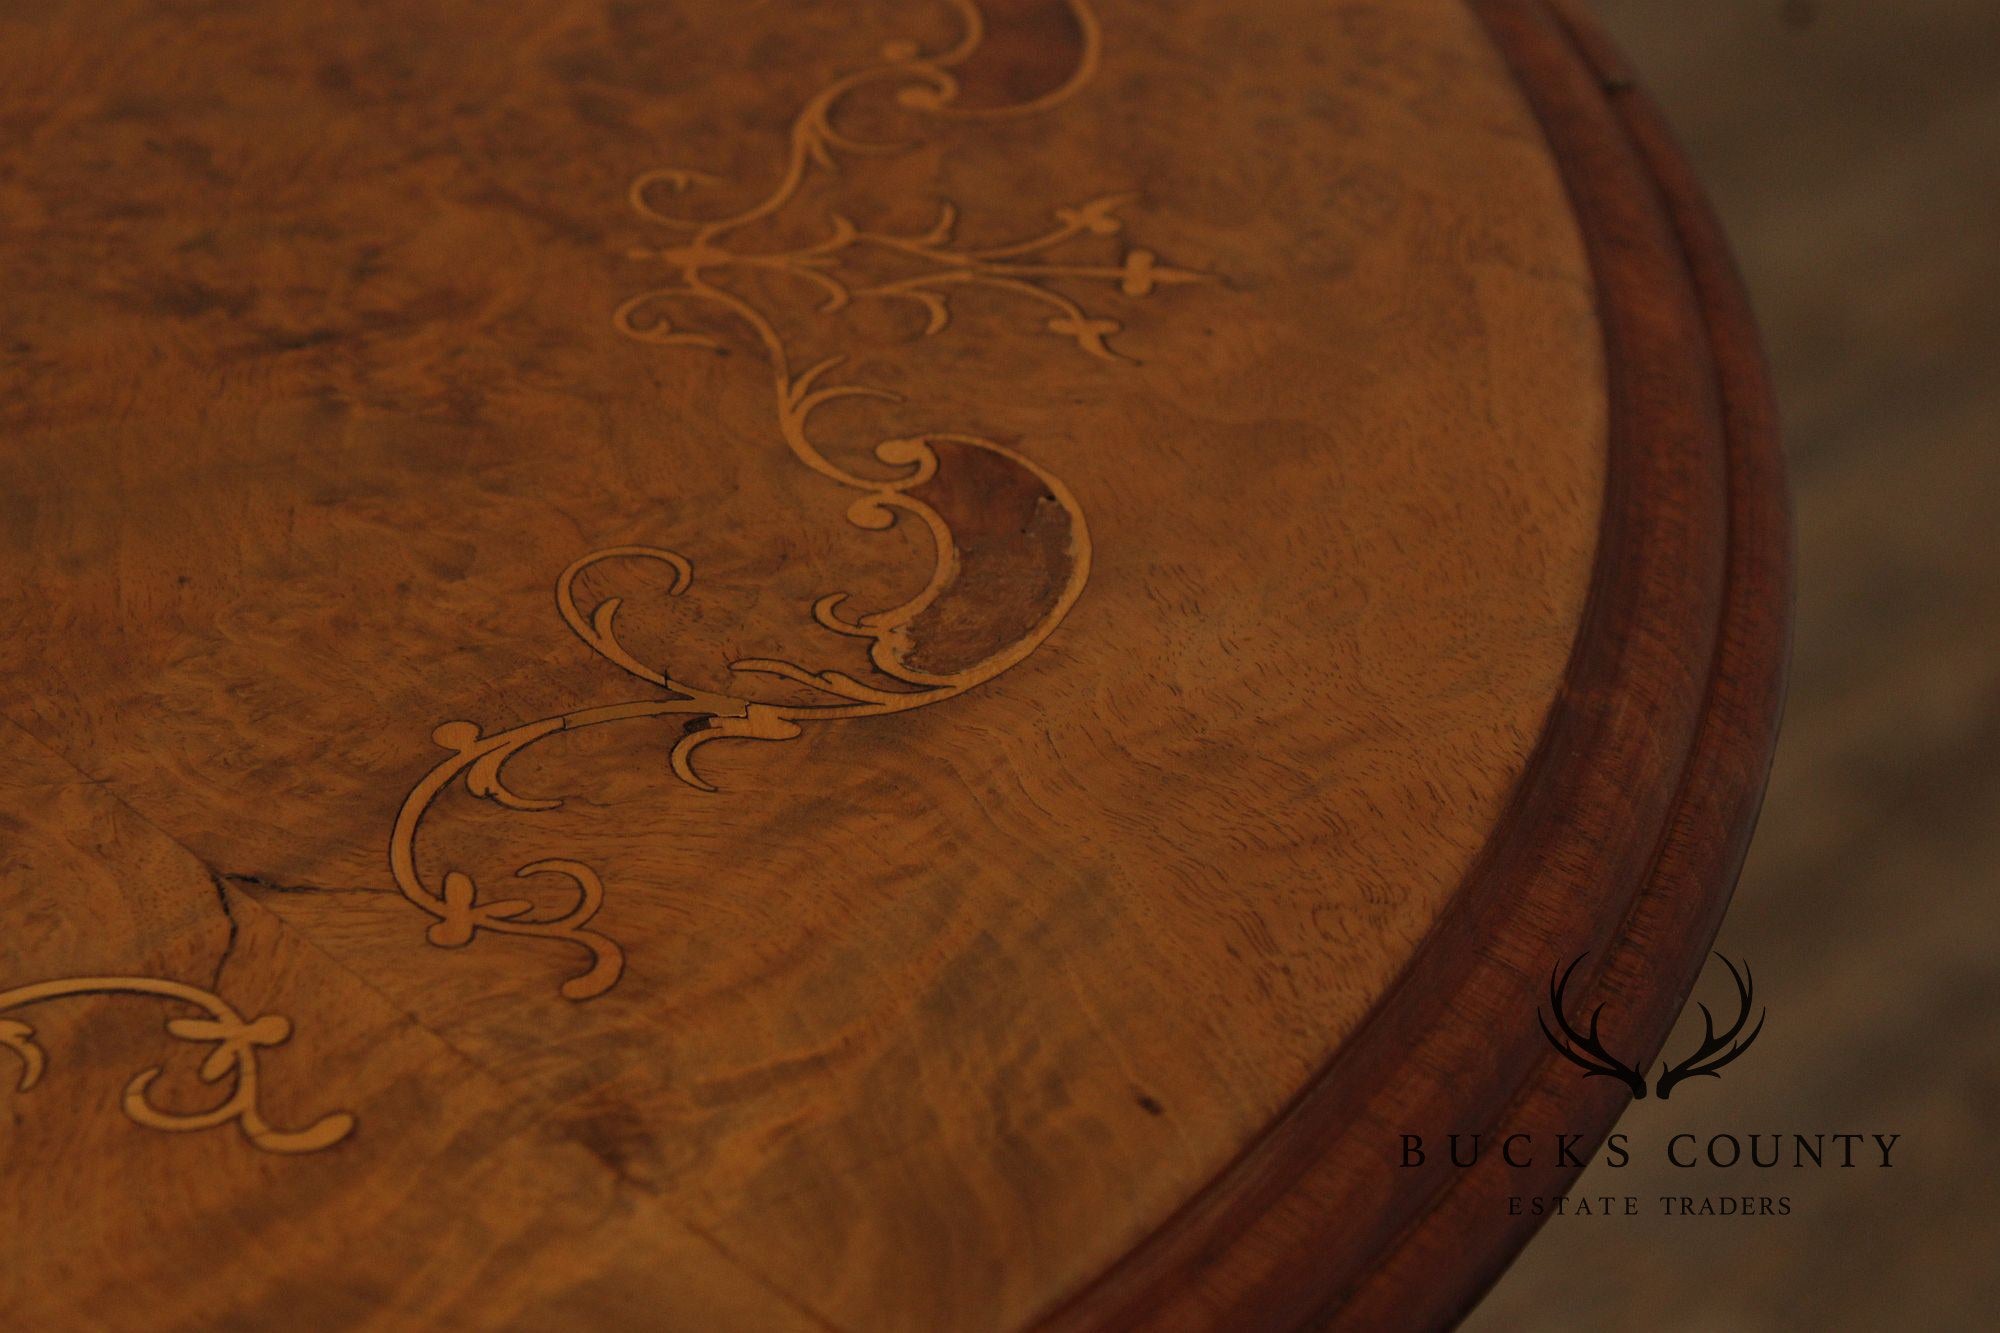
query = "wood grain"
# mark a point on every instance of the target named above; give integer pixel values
(1622, 840)
(1222, 508)
(1854, 153)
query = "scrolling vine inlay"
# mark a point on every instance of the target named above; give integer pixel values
(236, 1040)
(1017, 499)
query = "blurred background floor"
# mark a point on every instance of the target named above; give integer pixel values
(1852, 148)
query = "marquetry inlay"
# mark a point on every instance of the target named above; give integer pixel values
(932, 647)
(236, 1042)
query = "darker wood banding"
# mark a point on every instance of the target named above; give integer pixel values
(1015, 553)
(1031, 48)
(1623, 838)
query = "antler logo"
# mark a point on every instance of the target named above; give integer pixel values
(1586, 1051)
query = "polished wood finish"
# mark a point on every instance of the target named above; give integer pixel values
(1240, 535)
(1833, 139)
(1636, 809)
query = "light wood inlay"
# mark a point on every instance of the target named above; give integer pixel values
(1169, 441)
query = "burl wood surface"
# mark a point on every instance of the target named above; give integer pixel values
(1854, 152)
(419, 412)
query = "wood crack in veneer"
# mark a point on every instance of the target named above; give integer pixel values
(1313, 451)
(236, 1041)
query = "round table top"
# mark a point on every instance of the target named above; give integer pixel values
(913, 664)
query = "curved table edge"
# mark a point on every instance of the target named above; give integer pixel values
(1313, 1224)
